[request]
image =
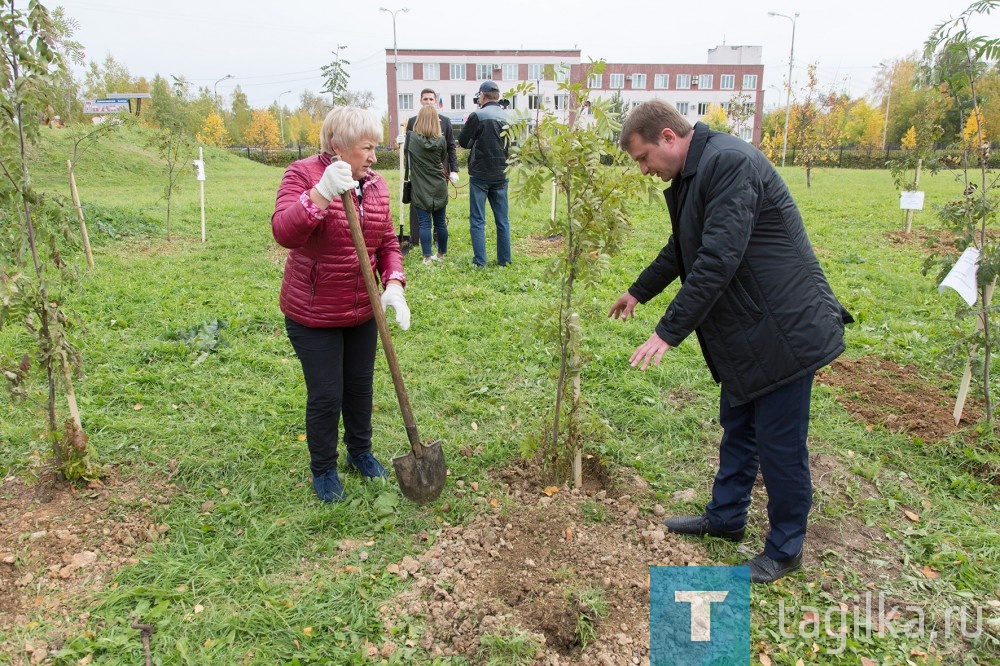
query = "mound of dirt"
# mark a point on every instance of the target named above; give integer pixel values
(568, 569)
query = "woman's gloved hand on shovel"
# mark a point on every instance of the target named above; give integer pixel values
(393, 298)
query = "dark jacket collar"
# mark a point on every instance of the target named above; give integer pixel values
(695, 150)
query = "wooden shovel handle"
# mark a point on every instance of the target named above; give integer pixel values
(380, 321)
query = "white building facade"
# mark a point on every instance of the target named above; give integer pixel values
(730, 75)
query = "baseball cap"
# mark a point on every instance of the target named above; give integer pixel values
(489, 86)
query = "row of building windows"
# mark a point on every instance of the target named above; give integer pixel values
(559, 102)
(536, 72)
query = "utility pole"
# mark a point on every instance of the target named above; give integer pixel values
(395, 64)
(788, 98)
(281, 117)
(215, 89)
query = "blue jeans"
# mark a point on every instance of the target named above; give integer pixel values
(496, 191)
(768, 433)
(440, 228)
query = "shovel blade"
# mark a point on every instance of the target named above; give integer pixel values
(422, 479)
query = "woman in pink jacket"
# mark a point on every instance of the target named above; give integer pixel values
(328, 315)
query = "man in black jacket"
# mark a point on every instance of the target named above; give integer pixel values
(483, 135)
(428, 98)
(766, 319)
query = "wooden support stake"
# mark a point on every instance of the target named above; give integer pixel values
(916, 182)
(574, 334)
(201, 186)
(79, 215)
(552, 215)
(963, 386)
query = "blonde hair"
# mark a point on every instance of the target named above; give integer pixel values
(649, 119)
(347, 126)
(427, 123)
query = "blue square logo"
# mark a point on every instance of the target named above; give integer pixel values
(699, 616)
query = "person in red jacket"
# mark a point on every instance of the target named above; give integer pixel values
(328, 315)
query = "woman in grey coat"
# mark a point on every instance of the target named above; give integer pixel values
(426, 152)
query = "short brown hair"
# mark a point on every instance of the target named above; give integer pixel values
(649, 119)
(427, 90)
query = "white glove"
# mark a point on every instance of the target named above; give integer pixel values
(393, 298)
(336, 180)
(454, 177)
(401, 139)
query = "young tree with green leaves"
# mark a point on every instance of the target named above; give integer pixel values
(591, 175)
(955, 61)
(171, 139)
(34, 269)
(335, 78)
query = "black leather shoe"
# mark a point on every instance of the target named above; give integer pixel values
(765, 570)
(699, 526)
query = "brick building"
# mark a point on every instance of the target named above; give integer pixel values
(731, 74)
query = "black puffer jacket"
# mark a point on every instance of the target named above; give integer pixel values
(752, 288)
(483, 134)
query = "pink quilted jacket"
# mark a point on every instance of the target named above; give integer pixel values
(322, 286)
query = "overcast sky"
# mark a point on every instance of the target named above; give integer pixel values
(270, 47)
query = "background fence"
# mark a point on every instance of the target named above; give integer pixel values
(848, 157)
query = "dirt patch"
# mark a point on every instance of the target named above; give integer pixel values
(537, 245)
(933, 240)
(845, 541)
(880, 392)
(59, 544)
(569, 571)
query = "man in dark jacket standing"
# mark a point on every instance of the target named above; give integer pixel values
(482, 134)
(754, 294)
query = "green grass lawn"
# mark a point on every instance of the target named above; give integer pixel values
(226, 426)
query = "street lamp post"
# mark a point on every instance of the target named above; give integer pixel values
(281, 117)
(215, 88)
(888, 98)
(395, 57)
(788, 98)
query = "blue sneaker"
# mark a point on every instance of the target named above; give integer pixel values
(367, 465)
(327, 486)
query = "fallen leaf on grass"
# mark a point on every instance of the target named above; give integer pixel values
(475, 426)
(550, 490)
(308, 631)
(928, 572)
(475, 486)
(865, 661)
(301, 438)
(137, 407)
(764, 660)
(198, 608)
(912, 516)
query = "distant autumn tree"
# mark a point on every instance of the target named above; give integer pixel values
(717, 119)
(814, 133)
(263, 130)
(304, 129)
(364, 99)
(740, 109)
(213, 132)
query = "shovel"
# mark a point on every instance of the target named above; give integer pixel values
(421, 474)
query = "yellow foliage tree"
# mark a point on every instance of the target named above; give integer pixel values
(716, 118)
(213, 132)
(972, 128)
(909, 141)
(263, 130)
(304, 129)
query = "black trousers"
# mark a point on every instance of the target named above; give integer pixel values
(767, 434)
(339, 368)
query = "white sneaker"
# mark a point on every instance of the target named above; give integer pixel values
(428, 260)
